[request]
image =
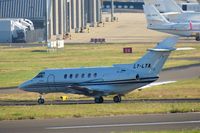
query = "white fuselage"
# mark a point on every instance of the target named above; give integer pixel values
(99, 81)
(181, 29)
(180, 17)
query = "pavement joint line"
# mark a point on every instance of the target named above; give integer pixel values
(123, 125)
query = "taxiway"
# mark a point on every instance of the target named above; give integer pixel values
(117, 124)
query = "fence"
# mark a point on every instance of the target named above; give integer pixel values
(37, 35)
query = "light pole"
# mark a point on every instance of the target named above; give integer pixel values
(46, 21)
(101, 10)
(112, 10)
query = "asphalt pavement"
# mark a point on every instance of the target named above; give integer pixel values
(115, 124)
(180, 73)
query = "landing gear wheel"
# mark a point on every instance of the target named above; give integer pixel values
(197, 38)
(98, 100)
(41, 100)
(117, 99)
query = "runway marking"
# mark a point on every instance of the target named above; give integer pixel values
(124, 125)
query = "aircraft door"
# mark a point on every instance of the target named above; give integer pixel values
(51, 82)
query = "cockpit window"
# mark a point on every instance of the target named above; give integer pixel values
(40, 75)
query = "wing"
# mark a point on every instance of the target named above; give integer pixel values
(156, 84)
(77, 89)
(185, 48)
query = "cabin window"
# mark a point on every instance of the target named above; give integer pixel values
(76, 76)
(65, 76)
(40, 75)
(95, 75)
(89, 75)
(82, 75)
(71, 76)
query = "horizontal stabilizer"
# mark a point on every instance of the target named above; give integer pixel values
(161, 50)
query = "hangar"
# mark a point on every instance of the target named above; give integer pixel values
(56, 18)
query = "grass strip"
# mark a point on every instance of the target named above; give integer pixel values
(93, 110)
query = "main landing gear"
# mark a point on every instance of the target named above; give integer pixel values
(41, 100)
(197, 37)
(98, 99)
(116, 99)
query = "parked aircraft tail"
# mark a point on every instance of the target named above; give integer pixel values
(164, 6)
(152, 62)
(153, 16)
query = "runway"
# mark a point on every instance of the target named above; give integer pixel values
(117, 124)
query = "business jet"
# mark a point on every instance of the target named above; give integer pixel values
(97, 82)
(156, 21)
(173, 12)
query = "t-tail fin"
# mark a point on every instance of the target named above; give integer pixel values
(164, 6)
(152, 62)
(153, 16)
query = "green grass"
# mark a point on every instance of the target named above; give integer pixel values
(181, 89)
(94, 110)
(180, 131)
(20, 64)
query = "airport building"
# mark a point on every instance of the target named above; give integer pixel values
(56, 17)
(137, 5)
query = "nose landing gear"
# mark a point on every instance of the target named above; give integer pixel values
(41, 100)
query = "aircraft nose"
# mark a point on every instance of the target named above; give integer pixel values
(23, 86)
